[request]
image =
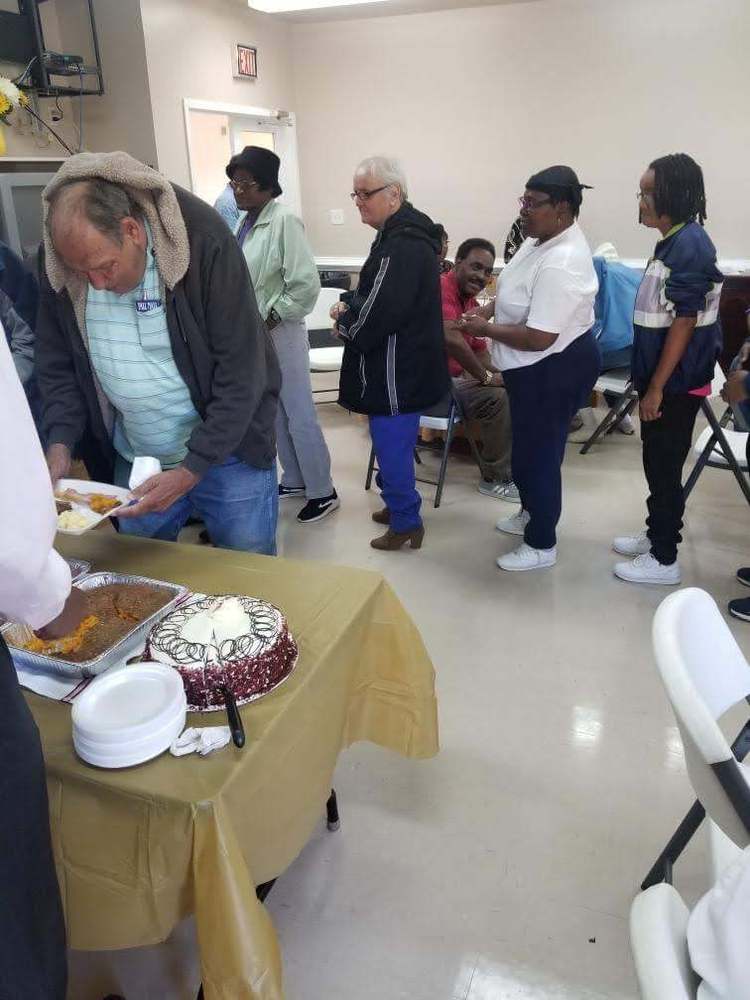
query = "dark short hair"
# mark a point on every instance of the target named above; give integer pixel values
(678, 188)
(100, 202)
(475, 243)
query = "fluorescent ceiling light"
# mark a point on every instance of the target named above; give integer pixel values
(289, 6)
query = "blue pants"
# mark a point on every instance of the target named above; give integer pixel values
(393, 439)
(543, 398)
(238, 503)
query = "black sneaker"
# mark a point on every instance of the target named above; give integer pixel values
(743, 575)
(316, 510)
(740, 608)
(290, 492)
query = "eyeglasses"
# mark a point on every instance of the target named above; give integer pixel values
(643, 195)
(366, 195)
(529, 204)
(239, 186)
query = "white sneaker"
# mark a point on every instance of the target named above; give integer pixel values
(515, 525)
(589, 424)
(626, 425)
(645, 569)
(524, 557)
(632, 545)
(506, 490)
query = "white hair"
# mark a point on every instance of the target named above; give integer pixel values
(386, 169)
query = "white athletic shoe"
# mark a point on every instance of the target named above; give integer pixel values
(632, 545)
(515, 525)
(524, 557)
(645, 569)
(626, 425)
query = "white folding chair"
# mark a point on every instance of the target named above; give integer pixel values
(705, 674)
(658, 940)
(328, 356)
(619, 382)
(718, 446)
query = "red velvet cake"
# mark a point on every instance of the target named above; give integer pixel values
(241, 642)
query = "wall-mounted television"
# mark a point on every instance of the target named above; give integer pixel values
(52, 45)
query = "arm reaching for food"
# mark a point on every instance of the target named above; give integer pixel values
(35, 585)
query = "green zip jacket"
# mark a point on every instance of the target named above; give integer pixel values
(281, 263)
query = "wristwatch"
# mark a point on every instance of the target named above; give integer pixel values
(488, 376)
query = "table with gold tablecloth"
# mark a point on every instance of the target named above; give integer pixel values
(139, 849)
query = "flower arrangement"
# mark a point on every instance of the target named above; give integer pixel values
(11, 98)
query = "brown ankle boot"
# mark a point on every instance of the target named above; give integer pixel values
(382, 516)
(393, 540)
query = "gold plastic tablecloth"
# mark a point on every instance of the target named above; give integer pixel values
(139, 849)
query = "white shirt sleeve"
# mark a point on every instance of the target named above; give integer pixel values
(718, 935)
(556, 300)
(34, 579)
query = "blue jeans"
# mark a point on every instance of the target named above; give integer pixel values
(238, 503)
(393, 439)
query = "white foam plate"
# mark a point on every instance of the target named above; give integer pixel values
(88, 486)
(129, 715)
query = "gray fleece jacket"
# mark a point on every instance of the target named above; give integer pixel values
(219, 342)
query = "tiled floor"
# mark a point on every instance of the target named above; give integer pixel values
(504, 868)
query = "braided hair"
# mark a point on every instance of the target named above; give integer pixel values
(678, 188)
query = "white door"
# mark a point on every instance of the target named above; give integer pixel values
(215, 135)
(279, 137)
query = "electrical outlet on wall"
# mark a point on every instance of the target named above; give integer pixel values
(336, 215)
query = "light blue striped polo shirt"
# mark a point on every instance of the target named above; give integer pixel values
(132, 356)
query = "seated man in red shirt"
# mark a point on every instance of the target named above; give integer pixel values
(477, 384)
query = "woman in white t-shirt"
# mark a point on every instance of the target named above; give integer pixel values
(542, 343)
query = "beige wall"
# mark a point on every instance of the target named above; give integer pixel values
(122, 118)
(475, 100)
(189, 45)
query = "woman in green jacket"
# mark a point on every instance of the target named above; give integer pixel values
(286, 283)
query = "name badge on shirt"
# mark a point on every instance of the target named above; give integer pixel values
(147, 305)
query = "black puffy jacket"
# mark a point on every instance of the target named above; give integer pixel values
(394, 348)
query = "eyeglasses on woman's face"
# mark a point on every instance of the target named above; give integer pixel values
(366, 195)
(240, 187)
(531, 204)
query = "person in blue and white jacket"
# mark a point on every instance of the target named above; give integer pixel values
(677, 341)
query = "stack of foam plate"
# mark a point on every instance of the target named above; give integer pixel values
(129, 715)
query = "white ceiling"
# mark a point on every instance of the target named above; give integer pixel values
(393, 7)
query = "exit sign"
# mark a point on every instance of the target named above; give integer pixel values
(246, 62)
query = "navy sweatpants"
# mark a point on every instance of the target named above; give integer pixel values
(393, 439)
(543, 399)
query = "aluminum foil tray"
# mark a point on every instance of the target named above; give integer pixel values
(115, 654)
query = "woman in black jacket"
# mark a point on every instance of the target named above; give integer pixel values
(394, 364)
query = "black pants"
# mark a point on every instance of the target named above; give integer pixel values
(666, 443)
(33, 964)
(543, 398)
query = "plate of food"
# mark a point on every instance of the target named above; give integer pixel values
(82, 504)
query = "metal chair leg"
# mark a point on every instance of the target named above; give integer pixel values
(332, 812)
(370, 469)
(705, 456)
(444, 462)
(661, 870)
(616, 414)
